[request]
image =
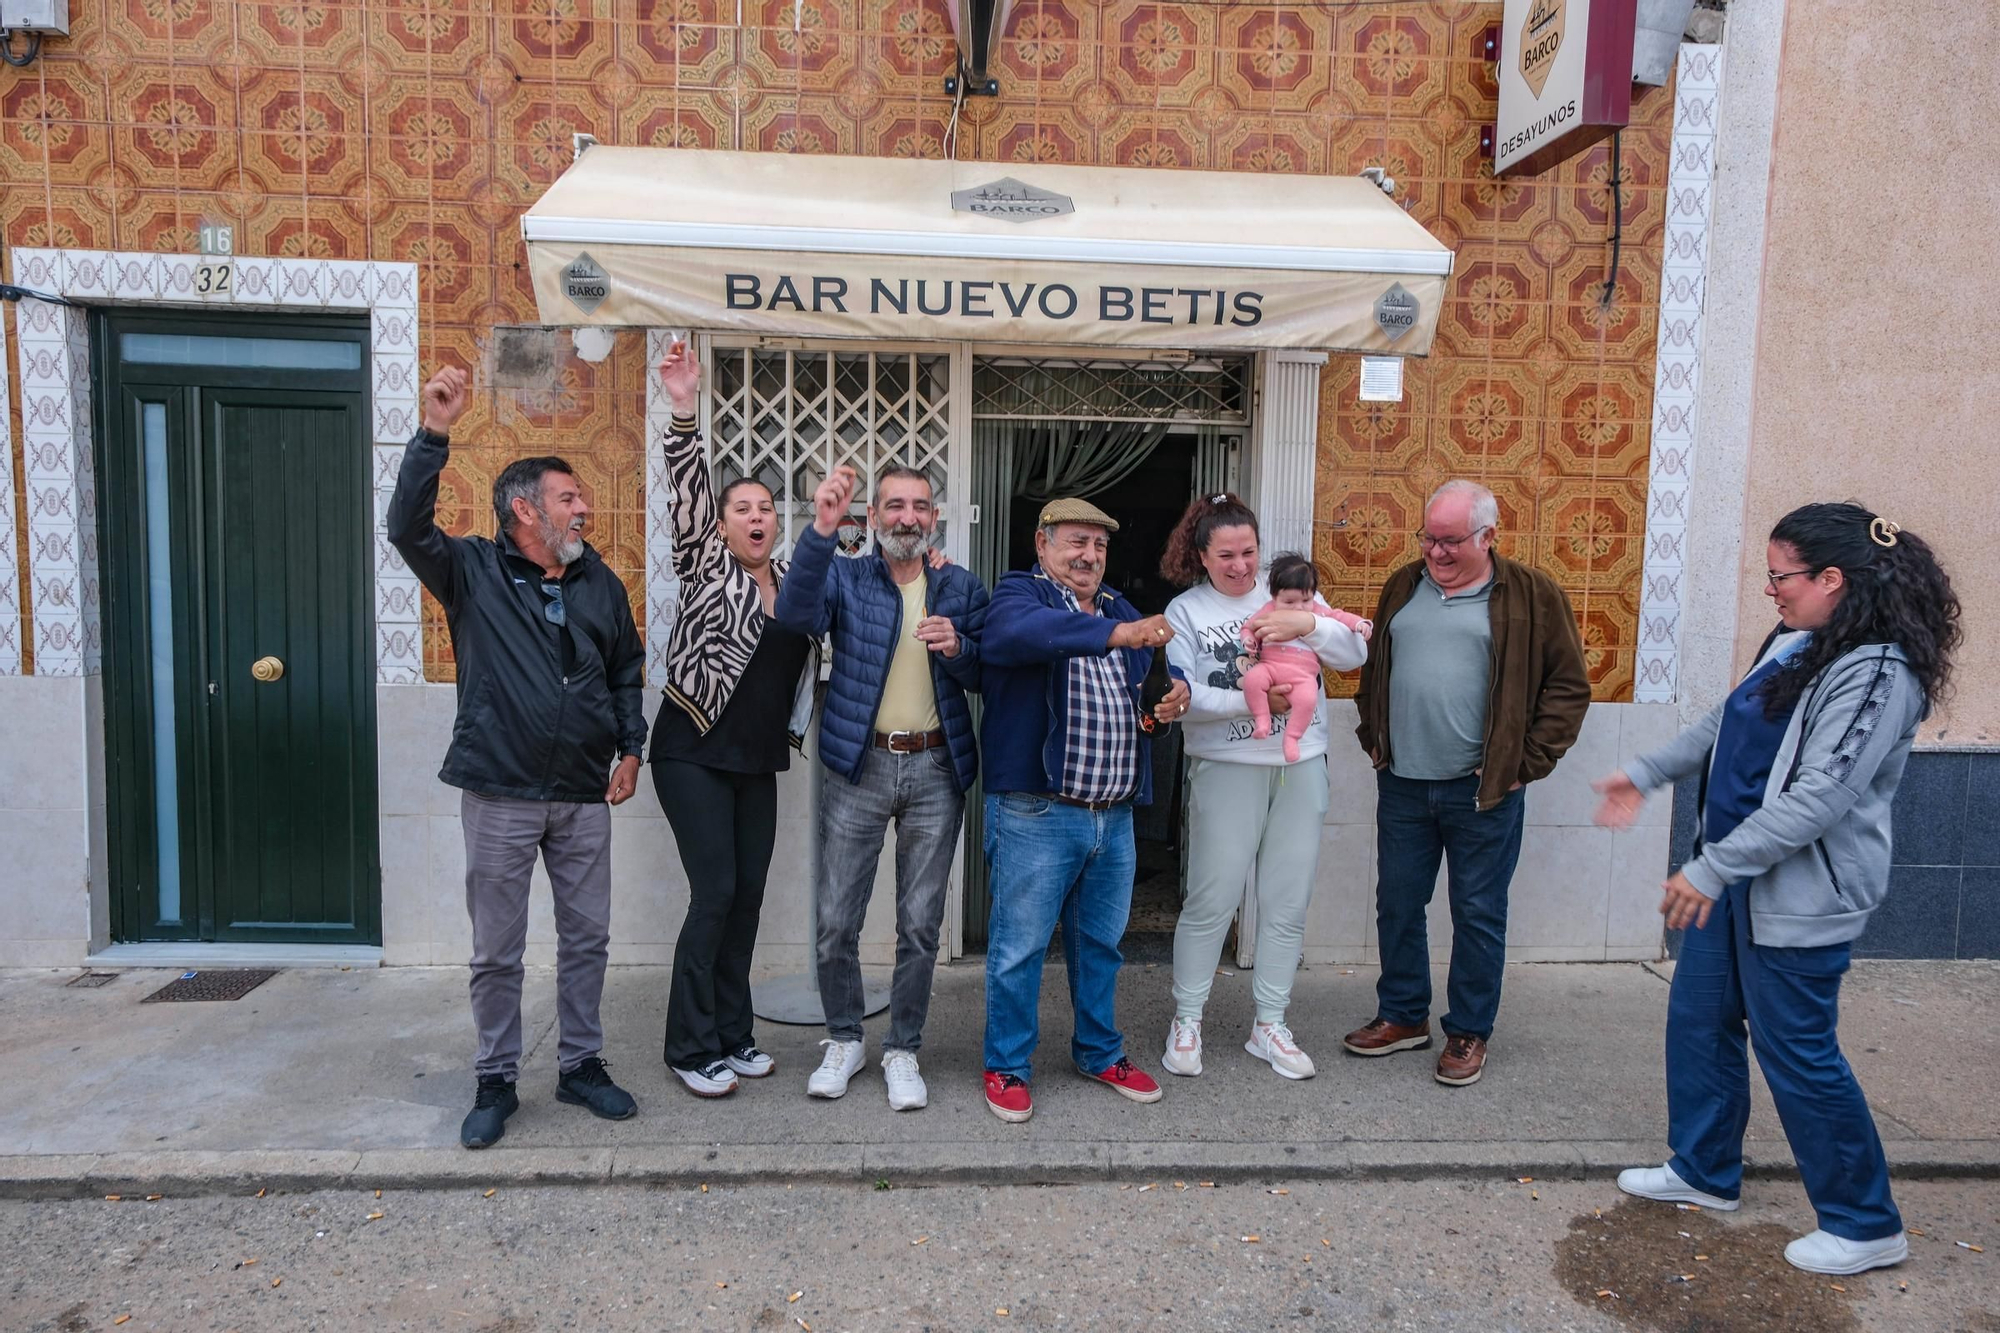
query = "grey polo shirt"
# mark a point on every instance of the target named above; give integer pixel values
(1440, 674)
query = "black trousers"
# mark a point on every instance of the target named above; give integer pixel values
(724, 824)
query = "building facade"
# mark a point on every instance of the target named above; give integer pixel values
(1640, 423)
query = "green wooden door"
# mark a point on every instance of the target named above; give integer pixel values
(239, 652)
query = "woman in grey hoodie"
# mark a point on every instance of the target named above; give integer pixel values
(1799, 766)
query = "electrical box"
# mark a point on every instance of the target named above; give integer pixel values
(44, 16)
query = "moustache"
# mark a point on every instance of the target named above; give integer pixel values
(1082, 566)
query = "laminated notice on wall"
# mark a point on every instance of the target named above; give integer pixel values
(1381, 379)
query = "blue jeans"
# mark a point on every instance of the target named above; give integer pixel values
(1419, 824)
(1053, 862)
(919, 793)
(1789, 1000)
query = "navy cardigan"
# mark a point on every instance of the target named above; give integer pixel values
(1030, 636)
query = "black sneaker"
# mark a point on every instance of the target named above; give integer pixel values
(491, 1106)
(589, 1085)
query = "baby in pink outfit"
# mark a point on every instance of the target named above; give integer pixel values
(1293, 582)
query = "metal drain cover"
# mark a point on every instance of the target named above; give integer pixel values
(91, 980)
(232, 984)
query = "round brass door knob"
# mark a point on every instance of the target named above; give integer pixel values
(267, 669)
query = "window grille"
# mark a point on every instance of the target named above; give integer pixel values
(787, 418)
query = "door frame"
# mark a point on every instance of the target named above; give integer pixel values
(121, 528)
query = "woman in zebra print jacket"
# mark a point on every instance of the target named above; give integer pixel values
(739, 688)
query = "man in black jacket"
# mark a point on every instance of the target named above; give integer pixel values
(550, 676)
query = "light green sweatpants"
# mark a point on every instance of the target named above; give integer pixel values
(1239, 815)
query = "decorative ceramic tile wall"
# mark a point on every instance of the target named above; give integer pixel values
(1683, 275)
(54, 372)
(419, 132)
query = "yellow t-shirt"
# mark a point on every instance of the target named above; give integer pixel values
(909, 703)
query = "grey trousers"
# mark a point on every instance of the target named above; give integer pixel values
(1239, 816)
(502, 838)
(919, 793)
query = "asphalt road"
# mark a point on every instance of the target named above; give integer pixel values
(1482, 1255)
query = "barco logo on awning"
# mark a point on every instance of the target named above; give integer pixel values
(1015, 201)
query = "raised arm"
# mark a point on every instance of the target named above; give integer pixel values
(433, 555)
(697, 541)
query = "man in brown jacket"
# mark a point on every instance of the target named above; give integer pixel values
(1474, 687)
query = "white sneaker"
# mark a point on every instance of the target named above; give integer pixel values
(906, 1086)
(1272, 1042)
(1183, 1055)
(713, 1079)
(843, 1061)
(1660, 1182)
(1822, 1252)
(750, 1062)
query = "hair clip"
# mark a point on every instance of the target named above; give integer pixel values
(1883, 532)
(1219, 499)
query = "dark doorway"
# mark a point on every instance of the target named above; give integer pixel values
(235, 483)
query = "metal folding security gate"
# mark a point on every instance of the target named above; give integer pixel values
(786, 417)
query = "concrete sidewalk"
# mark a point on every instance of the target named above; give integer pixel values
(323, 1079)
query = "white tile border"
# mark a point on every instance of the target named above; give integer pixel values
(1683, 294)
(54, 359)
(663, 590)
(10, 571)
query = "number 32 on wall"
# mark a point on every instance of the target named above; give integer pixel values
(214, 277)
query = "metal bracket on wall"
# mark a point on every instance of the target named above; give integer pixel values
(973, 85)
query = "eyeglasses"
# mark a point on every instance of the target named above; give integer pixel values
(554, 611)
(1428, 542)
(1773, 579)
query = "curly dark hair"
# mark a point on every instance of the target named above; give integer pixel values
(1292, 572)
(1180, 563)
(1896, 592)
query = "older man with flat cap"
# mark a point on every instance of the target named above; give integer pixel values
(1067, 757)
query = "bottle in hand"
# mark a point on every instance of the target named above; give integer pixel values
(1157, 685)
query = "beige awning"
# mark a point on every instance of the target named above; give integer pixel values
(852, 247)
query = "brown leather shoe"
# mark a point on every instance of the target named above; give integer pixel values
(1378, 1036)
(1461, 1061)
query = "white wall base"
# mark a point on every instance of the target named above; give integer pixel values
(1581, 893)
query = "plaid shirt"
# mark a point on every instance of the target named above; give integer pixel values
(1101, 743)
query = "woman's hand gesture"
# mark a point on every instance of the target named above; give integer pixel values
(1684, 904)
(1622, 799)
(680, 375)
(1279, 626)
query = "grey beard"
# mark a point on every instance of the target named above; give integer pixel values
(564, 547)
(902, 546)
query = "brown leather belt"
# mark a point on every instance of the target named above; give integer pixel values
(1061, 799)
(908, 742)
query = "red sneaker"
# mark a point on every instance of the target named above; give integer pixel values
(1007, 1097)
(1128, 1080)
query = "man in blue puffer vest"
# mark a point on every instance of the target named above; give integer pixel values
(896, 738)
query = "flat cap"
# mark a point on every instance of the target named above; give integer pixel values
(1071, 510)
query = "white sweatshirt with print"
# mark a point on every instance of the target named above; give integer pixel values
(1208, 646)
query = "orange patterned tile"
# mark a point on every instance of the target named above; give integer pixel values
(1592, 534)
(299, 34)
(1273, 54)
(780, 125)
(45, 136)
(424, 37)
(1153, 139)
(562, 40)
(905, 129)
